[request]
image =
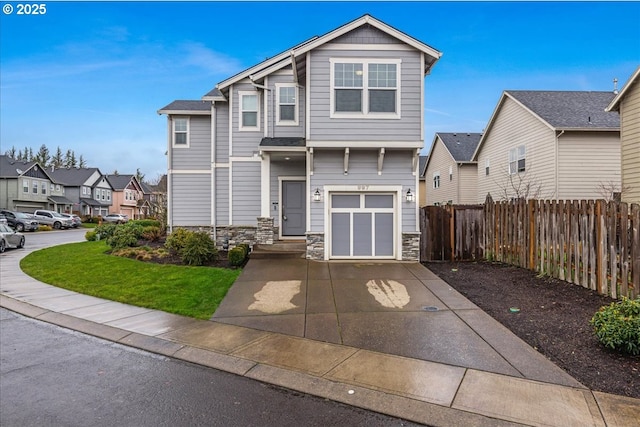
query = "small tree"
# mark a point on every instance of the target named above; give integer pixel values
(519, 185)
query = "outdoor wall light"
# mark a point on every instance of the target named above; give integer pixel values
(409, 196)
(316, 195)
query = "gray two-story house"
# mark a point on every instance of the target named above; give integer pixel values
(319, 143)
(87, 188)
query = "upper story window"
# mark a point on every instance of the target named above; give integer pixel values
(517, 160)
(25, 185)
(181, 132)
(51, 188)
(43, 188)
(287, 101)
(436, 180)
(486, 167)
(249, 111)
(450, 173)
(365, 88)
(35, 187)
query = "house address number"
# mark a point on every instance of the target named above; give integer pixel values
(363, 187)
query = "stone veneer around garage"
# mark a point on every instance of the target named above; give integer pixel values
(315, 246)
(411, 246)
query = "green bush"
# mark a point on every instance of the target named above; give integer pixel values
(177, 239)
(152, 233)
(147, 222)
(125, 235)
(617, 325)
(105, 230)
(198, 249)
(237, 255)
(91, 236)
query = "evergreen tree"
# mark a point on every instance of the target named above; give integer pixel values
(139, 175)
(82, 163)
(57, 160)
(12, 152)
(43, 156)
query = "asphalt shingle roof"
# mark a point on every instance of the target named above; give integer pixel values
(119, 182)
(422, 165)
(9, 167)
(570, 109)
(187, 105)
(460, 145)
(72, 177)
(283, 142)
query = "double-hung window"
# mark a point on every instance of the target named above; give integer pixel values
(287, 98)
(35, 187)
(368, 88)
(436, 180)
(43, 188)
(249, 111)
(25, 185)
(180, 132)
(517, 160)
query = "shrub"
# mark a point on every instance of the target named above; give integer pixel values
(125, 235)
(91, 236)
(147, 222)
(177, 239)
(237, 255)
(42, 227)
(617, 325)
(152, 233)
(105, 230)
(198, 249)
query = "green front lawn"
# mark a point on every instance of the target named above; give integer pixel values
(86, 268)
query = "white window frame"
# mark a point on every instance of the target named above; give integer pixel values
(436, 180)
(365, 113)
(43, 188)
(487, 167)
(296, 106)
(241, 127)
(450, 173)
(25, 186)
(34, 187)
(516, 155)
(174, 120)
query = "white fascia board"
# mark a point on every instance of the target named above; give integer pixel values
(279, 148)
(367, 144)
(270, 70)
(615, 102)
(185, 112)
(220, 98)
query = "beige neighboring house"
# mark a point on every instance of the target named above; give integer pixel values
(559, 145)
(128, 195)
(627, 103)
(422, 182)
(451, 174)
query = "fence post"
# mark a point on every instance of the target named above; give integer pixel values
(532, 239)
(599, 247)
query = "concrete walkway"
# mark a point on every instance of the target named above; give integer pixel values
(388, 337)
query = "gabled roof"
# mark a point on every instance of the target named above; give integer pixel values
(12, 168)
(73, 177)
(461, 146)
(569, 110)
(422, 166)
(187, 107)
(120, 182)
(561, 110)
(615, 103)
(287, 57)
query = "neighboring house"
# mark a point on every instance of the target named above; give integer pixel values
(422, 185)
(627, 103)
(87, 188)
(550, 145)
(156, 197)
(451, 175)
(26, 186)
(319, 143)
(127, 196)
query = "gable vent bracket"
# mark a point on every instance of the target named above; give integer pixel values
(416, 159)
(346, 161)
(311, 161)
(380, 160)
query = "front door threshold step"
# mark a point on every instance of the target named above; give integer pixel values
(280, 250)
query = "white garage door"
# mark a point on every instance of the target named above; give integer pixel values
(362, 226)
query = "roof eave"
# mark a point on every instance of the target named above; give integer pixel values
(615, 102)
(185, 112)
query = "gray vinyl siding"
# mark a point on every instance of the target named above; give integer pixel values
(222, 196)
(284, 131)
(325, 128)
(514, 126)
(197, 156)
(363, 170)
(222, 133)
(245, 143)
(246, 192)
(191, 199)
(366, 35)
(288, 169)
(630, 136)
(587, 161)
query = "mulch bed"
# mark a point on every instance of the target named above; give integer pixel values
(553, 318)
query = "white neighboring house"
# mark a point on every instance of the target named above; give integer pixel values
(558, 145)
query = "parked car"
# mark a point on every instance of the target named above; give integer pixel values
(53, 219)
(10, 238)
(3, 219)
(20, 221)
(75, 219)
(115, 218)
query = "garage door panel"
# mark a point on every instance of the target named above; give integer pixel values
(384, 234)
(362, 237)
(340, 234)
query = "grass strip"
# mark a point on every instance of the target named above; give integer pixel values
(86, 268)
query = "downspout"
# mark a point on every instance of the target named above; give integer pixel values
(557, 162)
(169, 173)
(213, 171)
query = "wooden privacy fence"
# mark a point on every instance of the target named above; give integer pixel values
(593, 244)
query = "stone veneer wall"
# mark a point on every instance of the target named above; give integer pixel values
(411, 246)
(231, 236)
(315, 246)
(265, 231)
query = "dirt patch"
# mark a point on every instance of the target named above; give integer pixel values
(553, 318)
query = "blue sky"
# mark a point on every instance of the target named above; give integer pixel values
(90, 76)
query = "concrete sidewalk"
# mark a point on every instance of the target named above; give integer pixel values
(362, 334)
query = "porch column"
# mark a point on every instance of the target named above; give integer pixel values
(265, 185)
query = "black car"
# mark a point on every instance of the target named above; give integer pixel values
(20, 221)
